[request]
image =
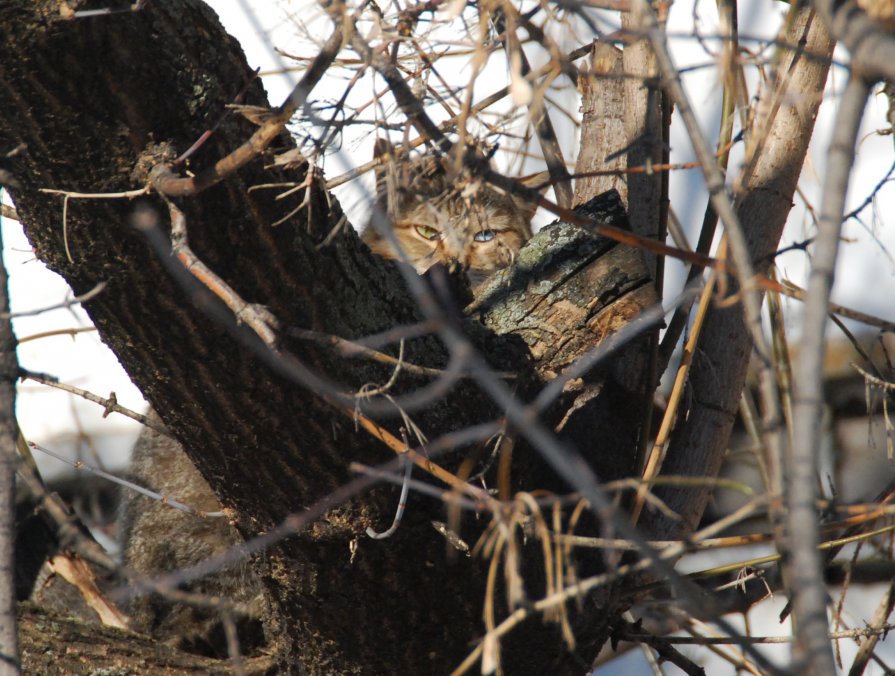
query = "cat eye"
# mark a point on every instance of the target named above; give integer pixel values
(485, 236)
(426, 232)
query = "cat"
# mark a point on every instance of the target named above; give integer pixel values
(436, 221)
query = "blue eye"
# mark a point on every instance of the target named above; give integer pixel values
(485, 236)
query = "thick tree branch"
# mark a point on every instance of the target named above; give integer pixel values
(714, 178)
(268, 447)
(60, 644)
(763, 203)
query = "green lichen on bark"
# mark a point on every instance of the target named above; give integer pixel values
(560, 294)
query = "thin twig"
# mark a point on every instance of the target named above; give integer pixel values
(422, 461)
(127, 194)
(879, 382)
(71, 533)
(724, 640)
(80, 465)
(402, 503)
(57, 332)
(350, 348)
(283, 363)
(422, 487)
(110, 405)
(167, 183)
(865, 651)
(83, 298)
(256, 317)
(654, 461)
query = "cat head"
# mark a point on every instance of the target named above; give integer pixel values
(439, 221)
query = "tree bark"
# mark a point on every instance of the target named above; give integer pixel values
(56, 644)
(88, 97)
(603, 138)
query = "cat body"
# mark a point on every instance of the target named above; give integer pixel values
(436, 220)
(158, 539)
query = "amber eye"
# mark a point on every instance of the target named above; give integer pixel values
(485, 236)
(426, 232)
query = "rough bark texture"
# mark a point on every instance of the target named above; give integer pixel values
(602, 125)
(643, 130)
(568, 292)
(87, 97)
(56, 644)
(621, 129)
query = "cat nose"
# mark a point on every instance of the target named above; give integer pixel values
(452, 251)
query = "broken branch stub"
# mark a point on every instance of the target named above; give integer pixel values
(567, 279)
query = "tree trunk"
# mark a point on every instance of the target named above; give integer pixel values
(88, 97)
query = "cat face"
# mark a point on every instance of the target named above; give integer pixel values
(435, 222)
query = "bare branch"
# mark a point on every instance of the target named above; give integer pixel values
(9, 432)
(803, 564)
(872, 46)
(110, 404)
(166, 183)
(83, 298)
